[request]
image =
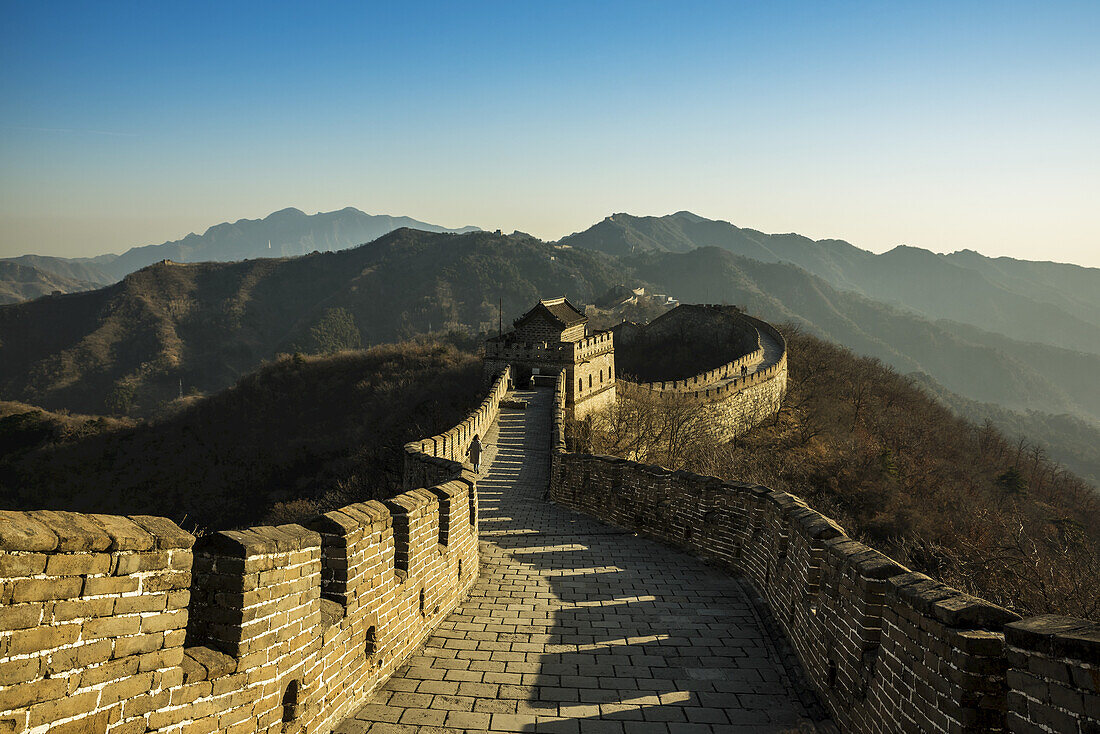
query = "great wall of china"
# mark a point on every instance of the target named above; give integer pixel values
(131, 625)
(128, 625)
(736, 395)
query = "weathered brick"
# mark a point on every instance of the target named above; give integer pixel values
(166, 533)
(165, 621)
(141, 603)
(19, 671)
(92, 724)
(109, 671)
(14, 565)
(19, 531)
(166, 582)
(26, 694)
(81, 656)
(160, 659)
(43, 638)
(111, 627)
(75, 532)
(107, 585)
(128, 563)
(20, 616)
(125, 534)
(128, 688)
(77, 564)
(65, 611)
(143, 704)
(45, 589)
(138, 644)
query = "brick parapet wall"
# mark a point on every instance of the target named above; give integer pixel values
(887, 649)
(441, 458)
(1054, 676)
(734, 404)
(128, 625)
(93, 610)
(701, 386)
(113, 624)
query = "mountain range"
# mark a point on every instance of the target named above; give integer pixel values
(1002, 334)
(200, 326)
(285, 233)
(19, 282)
(1050, 303)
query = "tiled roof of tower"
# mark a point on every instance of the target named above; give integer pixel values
(564, 311)
(560, 309)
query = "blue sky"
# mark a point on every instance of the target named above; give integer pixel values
(941, 125)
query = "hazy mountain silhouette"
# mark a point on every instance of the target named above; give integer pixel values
(1064, 437)
(79, 268)
(980, 365)
(1049, 303)
(285, 233)
(20, 282)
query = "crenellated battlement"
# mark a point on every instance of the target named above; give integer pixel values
(738, 394)
(887, 649)
(130, 624)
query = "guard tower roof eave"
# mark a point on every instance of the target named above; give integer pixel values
(559, 310)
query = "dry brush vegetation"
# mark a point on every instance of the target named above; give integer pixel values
(862, 444)
(299, 436)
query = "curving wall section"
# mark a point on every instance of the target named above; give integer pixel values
(130, 625)
(887, 649)
(438, 458)
(733, 402)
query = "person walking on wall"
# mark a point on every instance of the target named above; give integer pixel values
(474, 452)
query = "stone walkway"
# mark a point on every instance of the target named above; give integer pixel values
(575, 626)
(773, 350)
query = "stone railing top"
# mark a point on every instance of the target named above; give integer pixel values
(1056, 636)
(257, 541)
(69, 532)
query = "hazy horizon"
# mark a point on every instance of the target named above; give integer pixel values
(940, 126)
(452, 225)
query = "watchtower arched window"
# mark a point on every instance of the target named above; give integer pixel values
(590, 380)
(580, 384)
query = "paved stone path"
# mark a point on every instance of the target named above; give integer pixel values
(773, 350)
(575, 626)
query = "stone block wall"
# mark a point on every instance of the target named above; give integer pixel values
(591, 376)
(93, 610)
(1054, 676)
(129, 625)
(887, 649)
(440, 458)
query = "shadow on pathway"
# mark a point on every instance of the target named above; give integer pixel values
(575, 626)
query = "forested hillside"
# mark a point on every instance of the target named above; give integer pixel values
(23, 282)
(301, 435)
(959, 501)
(979, 365)
(198, 327)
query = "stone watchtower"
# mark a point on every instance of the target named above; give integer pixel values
(553, 338)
